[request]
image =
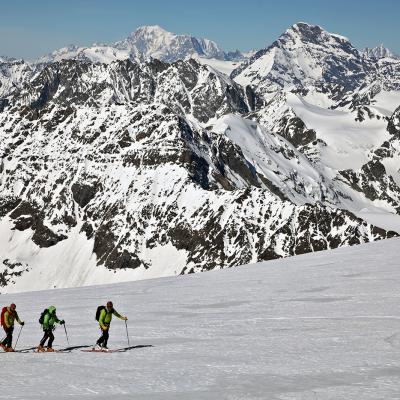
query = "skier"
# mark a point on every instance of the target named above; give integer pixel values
(8, 316)
(104, 319)
(48, 320)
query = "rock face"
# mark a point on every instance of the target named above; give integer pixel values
(186, 87)
(155, 168)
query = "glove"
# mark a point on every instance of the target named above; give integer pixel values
(125, 318)
(62, 322)
(104, 328)
(22, 323)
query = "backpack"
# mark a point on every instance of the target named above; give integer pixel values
(98, 311)
(3, 311)
(42, 315)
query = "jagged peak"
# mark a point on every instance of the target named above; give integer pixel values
(310, 32)
(11, 60)
(379, 52)
(150, 30)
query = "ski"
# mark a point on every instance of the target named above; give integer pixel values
(121, 350)
(100, 350)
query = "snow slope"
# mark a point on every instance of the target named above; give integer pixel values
(348, 141)
(318, 326)
(224, 66)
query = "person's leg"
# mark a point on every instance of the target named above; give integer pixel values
(45, 337)
(8, 340)
(105, 336)
(51, 339)
(101, 338)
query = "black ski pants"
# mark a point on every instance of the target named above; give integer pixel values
(48, 334)
(103, 339)
(8, 340)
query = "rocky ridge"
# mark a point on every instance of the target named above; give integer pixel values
(129, 162)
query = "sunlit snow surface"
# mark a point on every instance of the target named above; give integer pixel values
(223, 66)
(348, 141)
(318, 326)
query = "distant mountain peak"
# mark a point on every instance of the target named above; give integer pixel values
(153, 41)
(146, 42)
(149, 31)
(151, 28)
(379, 52)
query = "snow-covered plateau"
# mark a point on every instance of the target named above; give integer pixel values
(316, 326)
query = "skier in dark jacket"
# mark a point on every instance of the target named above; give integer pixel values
(49, 321)
(9, 317)
(104, 321)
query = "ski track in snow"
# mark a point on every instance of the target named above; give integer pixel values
(318, 326)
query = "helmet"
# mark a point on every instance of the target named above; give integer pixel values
(109, 304)
(13, 306)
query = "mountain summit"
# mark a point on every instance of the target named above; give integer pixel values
(146, 42)
(379, 52)
(302, 57)
(155, 42)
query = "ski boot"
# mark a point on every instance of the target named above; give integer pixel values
(40, 349)
(50, 350)
(9, 350)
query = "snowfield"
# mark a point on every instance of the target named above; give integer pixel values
(319, 326)
(348, 141)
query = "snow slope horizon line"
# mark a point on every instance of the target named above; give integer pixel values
(287, 261)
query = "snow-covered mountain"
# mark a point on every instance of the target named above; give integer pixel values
(124, 170)
(13, 74)
(317, 326)
(145, 43)
(304, 57)
(155, 42)
(379, 52)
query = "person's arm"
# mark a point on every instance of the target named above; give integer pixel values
(101, 320)
(118, 315)
(60, 321)
(18, 320)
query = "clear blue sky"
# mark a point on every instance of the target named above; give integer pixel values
(30, 28)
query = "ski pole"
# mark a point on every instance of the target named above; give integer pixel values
(127, 335)
(66, 334)
(19, 334)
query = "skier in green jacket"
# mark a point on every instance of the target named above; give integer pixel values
(104, 321)
(49, 320)
(10, 315)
